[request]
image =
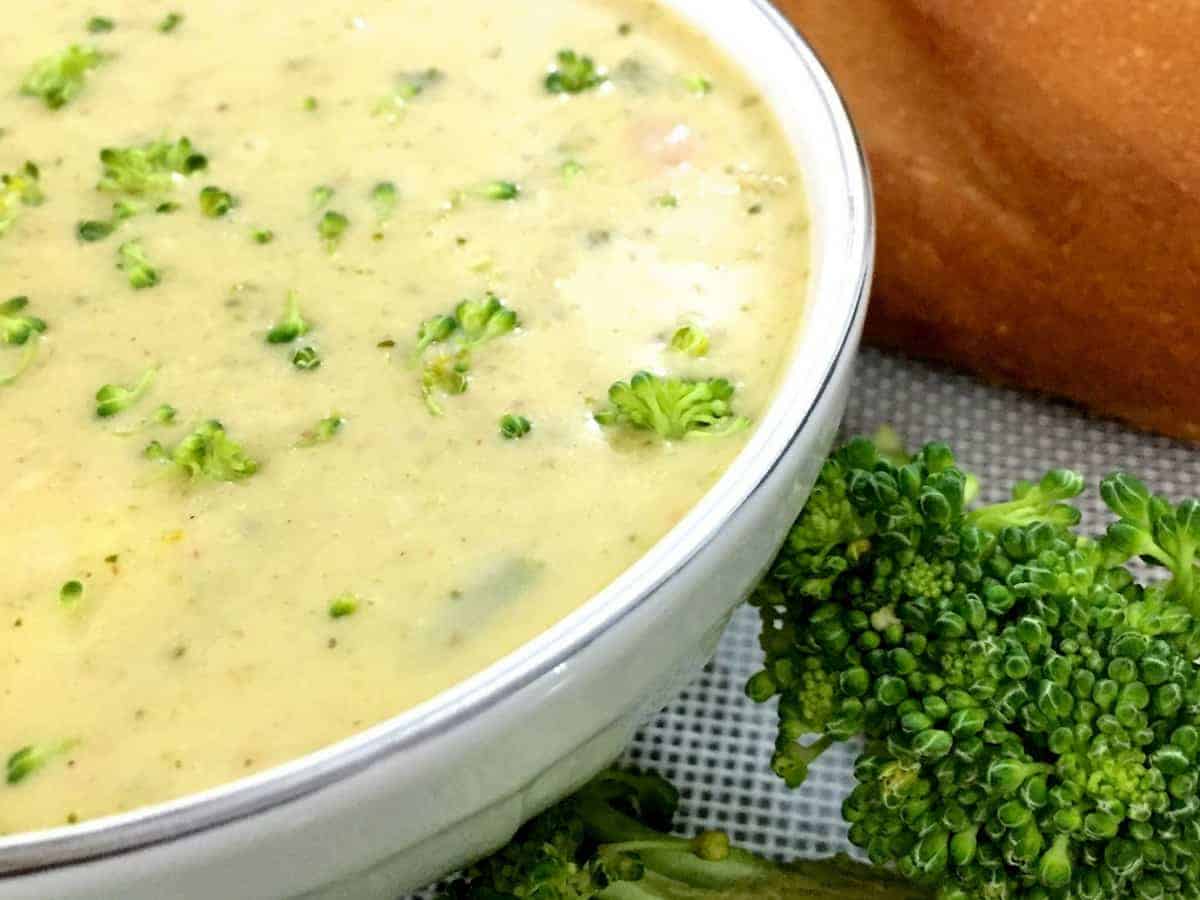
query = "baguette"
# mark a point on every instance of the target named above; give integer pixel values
(1037, 175)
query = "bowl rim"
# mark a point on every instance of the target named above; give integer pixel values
(121, 834)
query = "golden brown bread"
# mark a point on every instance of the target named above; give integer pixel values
(1037, 172)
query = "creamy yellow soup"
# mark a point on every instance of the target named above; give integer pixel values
(182, 605)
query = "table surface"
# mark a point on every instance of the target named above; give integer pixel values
(715, 744)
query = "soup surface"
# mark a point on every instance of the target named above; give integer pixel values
(183, 603)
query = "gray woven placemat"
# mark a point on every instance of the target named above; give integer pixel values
(715, 744)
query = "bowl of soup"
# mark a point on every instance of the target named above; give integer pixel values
(398, 398)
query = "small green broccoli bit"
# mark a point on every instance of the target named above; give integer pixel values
(331, 227)
(514, 427)
(306, 359)
(383, 199)
(323, 432)
(690, 340)
(152, 168)
(573, 74)
(18, 190)
(100, 25)
(94, 230)
(70, 593)
(91, 230)
(131, 259)
(698, 84)
(166, 207)
(215, 202)
(32, 757)
(445, 372)
(207, 452)
(343, 605)
(112, 399)
(480, 321)
(666, 201)
(570, 170)
(57, 80)
(674, 408)
(170, 22)
(165, 414)
(409, 86)
(500, 190)
(320, 197)
(262, 235)
(435, 330)
(291, 325)
(612, 841)
(311, 104)
(19, 330)
(15, 327)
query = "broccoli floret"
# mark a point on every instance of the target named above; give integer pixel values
(500, 190)
(320, 197)
(514, 427)
(262, 235)
(112, 399)
(207, 452)
(698, 84)
(93, 230)
(690, 340)
(474, 323)
(435, 330)
(70, 593)
(32, 757)
(331, 227)
(57, 80)
(409, 86)
(480, 321)
(131, 259)
(674, 408)
(571, 169)
(343, 605)
(18, 190)
(666, 201)
(323, 432)
(306, 359)
(215, 202)
(170, 22)
(100, 25)
(445, 372)
(573, 74)
(291, 324)
(152, 168)
(383, 199)
(19, 330)
(611, 841)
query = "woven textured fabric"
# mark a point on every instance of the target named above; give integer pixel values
(716, 745)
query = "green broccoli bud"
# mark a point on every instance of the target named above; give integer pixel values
(17, 190)
(207, 452)
(291, 324)
(570, 170)
(100, 25)
(320, 197)
(112, 399)
(409, 87)
(435, 330)
(500, 190)
(447, 372)
(165, 414)
(94, 230)
(343, 605)
(215, 202)
(666, 201)
(323, 432)
(70, 593)
(514, 427)
(698, 84)
(152, 168)
(674, 408)
(573, 74)
(32, 757)
(383, 199)
(262, 235)
(170, 22)
(306, 359)
(480, 321)
(310, 104)
(131, 259)
(57, 80)
(15, 328)
(690, 340)
(331, 227)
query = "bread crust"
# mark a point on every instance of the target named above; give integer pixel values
(1037, 171)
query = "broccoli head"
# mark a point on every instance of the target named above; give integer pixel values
(152, 168)
(674, 408)
(573, 74)
(59, 79)
(208, 452)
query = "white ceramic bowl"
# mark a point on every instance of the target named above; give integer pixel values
(403, 803)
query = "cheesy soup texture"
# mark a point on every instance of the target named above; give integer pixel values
(318, 380)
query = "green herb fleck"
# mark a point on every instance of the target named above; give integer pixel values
(513, 427)
(311, 104)
(698, 84)
(32, 757)
(666, 201)
(570, 170)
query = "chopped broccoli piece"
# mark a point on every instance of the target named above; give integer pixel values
(18, 189)
(131, 259)
(331, 228)
(170, 22)
(610, 841)
(514, 427)
(500, 190)
(691, 340)
(323, 432)
(16, 328)
(262, 235)
(152, 168)
(570, 170)
(306, 359)
(573, 74)
(57, 80)
(311, 104)
(446, 372)
(112, 399)
(94, 230)
(383, 198)
(320, 197)
(698, 84)
(30, 758)
(343, 605)
(435, 330)
(674, 408)
(666, 201)
(165, 414)
(70, 593)
(208, 453)
(166, 207)
(291, 325)
(100, 25)
(409, 87)
(479, 321)
(215, 202)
